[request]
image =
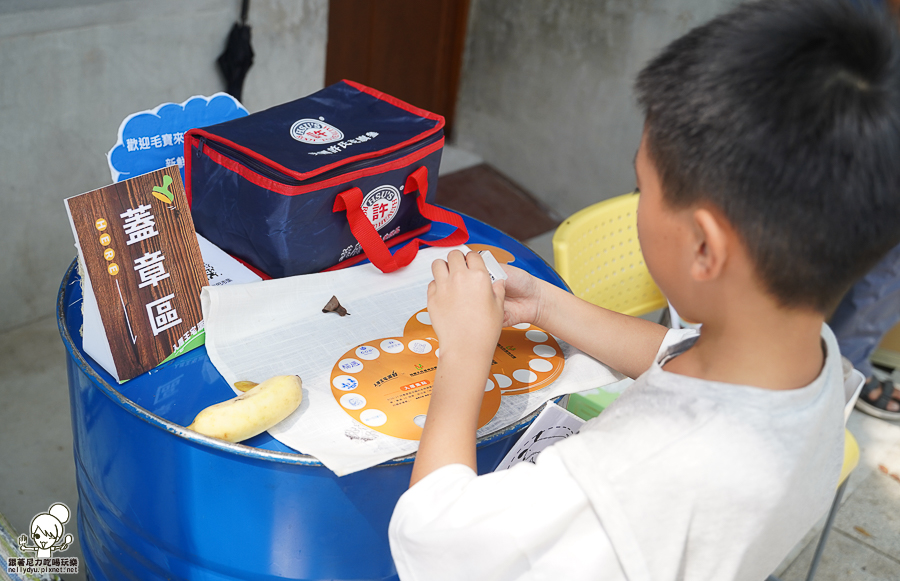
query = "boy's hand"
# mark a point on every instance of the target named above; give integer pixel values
(523, 297)
(466, 310)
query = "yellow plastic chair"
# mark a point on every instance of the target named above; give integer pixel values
(851, 460)
(597, 253)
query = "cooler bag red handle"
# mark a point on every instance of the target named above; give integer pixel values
(372, 244)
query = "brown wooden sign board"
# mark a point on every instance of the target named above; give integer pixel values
(139, 247)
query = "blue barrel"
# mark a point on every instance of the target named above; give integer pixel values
(157, 501)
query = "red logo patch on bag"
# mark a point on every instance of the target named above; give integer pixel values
(381, 205)
(315, 131)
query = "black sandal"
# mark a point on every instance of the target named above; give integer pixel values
(878, 408)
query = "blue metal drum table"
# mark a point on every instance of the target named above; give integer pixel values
(157, 501)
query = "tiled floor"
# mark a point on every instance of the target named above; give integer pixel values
(864, 544)
(37, 468)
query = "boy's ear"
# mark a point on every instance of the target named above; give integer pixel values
(710, 249)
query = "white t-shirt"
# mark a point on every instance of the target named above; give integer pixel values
(679, 479)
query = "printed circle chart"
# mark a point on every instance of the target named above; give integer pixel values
(526, 359)
(386, 385)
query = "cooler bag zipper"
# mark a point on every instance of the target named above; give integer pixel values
(277, 176)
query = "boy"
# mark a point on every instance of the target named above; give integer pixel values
(769, 174)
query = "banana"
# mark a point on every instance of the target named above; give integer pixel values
(252, 412)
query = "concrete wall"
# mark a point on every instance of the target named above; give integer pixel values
(71, 70)
(546, 90)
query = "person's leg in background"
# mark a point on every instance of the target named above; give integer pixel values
(868, 311)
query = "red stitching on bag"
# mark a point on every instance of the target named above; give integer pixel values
(187, 167)
(194, 133)
(397, 102)
(319, 171)
(286, 190)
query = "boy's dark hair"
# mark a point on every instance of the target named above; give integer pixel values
(786, 116)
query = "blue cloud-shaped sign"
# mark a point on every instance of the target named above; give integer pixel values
(150, 140)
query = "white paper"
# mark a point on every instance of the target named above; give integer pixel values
(552, 425)
(222, 269)
(277, 327)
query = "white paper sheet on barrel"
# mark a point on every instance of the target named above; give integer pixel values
(277, 327)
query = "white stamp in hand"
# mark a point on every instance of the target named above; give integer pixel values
(493, 267)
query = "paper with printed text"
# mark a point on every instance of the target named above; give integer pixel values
(277, 327)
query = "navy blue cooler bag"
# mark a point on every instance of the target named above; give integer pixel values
(320, 183)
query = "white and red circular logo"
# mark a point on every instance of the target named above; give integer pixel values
(381, 205)
(315, 132)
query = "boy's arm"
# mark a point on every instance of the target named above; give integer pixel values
(449, 434)
(625, 343)
(466, 311)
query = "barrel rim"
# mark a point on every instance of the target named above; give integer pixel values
(195, 438)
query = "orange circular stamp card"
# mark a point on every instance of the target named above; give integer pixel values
(526, 358)
(386, 385)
